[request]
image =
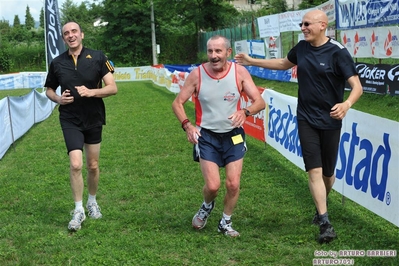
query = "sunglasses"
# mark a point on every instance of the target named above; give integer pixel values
(306, 24)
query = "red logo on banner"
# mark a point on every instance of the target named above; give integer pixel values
(388, 44)
(254, 125)
(356, 44)
(372, 43)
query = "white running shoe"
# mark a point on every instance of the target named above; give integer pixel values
(225, 228)
(93, 210)
(78, 216)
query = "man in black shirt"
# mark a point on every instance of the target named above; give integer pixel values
(80, 72)
(323, 66)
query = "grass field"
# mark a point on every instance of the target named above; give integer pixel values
(150, 189)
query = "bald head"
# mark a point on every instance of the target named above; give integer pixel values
(316, 15)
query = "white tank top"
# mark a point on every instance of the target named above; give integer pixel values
(216, 100)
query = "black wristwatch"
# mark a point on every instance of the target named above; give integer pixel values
(247, 112)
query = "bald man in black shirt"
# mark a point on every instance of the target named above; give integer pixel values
(81, 73)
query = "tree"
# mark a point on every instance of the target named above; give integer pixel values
(17, 22)
(41, 18)
(29, 21)
(127, 37)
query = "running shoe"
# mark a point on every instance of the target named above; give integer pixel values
(226, 228)
(78, 216)
(327, 233)
(93, 210)
(201, 217)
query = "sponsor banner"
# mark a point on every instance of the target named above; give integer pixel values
(328, 8)
(22, 80)
(257, 48)
(273, 47)
(375, 78)
(352, 14)
(241, 47)
(254, 125)
(367, 162)
(289, 21)
(381, 42)
(392, 79)
(181, 68)
(268, 26)
(280, 75)
(54, 42)
(281, 127)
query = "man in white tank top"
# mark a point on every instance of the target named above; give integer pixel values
(218, 135)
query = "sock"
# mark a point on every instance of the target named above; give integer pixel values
(324, 218)
(226, 217)
(91, 198)
(78, 205)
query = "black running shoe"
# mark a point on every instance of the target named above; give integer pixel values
(316, 219)
(327, 233)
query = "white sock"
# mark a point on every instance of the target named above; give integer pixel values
(226, 217)
(91, 198)
(78, 205)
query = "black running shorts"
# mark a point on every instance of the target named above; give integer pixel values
(319, 147)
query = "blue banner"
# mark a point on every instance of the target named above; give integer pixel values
(352, 14)
(181, 68)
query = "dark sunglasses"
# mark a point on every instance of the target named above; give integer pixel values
(306, 24)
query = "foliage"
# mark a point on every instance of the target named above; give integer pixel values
(29, 21)
(127, 37)
(5, 58)
(305, 4)
(17, 22)
(41, 19)
(150, 189)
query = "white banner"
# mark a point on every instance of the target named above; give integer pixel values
(381, 42)
(367, 166)
(268, 26)
(241, 47)
(273, 47)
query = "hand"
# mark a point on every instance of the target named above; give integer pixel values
(66, 97)
(84, 92)
(242, 59)
(238, 118)
(192, 134)
(339, 110)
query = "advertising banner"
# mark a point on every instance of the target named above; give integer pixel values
(380, 42)
(53, 34)
(352, 14)
(268, 26)
(367, 164)
(254, 125)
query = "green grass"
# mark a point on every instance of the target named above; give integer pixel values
(149, 191)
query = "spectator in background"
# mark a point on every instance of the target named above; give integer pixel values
(80, 72)
(323, 67)
(218, 135)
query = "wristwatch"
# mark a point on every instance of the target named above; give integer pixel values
(247, 112)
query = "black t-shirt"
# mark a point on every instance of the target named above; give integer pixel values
(322, 73)
(91, 66)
